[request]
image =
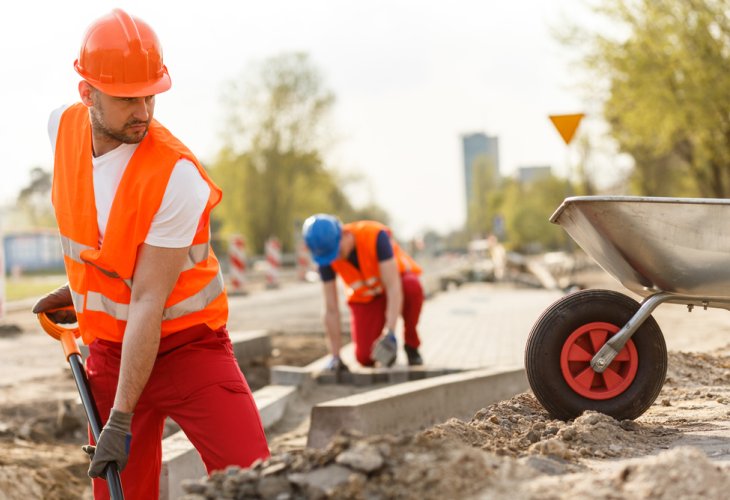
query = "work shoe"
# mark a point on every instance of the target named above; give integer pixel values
(414, 357)
(386, 350)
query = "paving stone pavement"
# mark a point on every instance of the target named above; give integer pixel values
(478, 325)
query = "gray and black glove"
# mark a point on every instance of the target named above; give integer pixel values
(386, 349)
(113, 444)
(336, 365)
(57, 299)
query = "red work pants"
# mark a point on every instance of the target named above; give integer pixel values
(368, 319)
(197, 382)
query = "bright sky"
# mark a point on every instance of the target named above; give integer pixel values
(410, 77)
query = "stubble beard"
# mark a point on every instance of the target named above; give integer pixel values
(99, 127)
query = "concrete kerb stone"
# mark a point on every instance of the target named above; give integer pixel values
(251, 344)
(414, 405)
(291, 375)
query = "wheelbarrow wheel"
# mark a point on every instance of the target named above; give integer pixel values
(565, 338)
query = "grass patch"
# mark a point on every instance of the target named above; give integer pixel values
(27, 287)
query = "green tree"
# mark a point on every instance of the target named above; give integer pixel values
(272, 169)
(34, 199)
(526, 208)
(485, 182)
(667, 99)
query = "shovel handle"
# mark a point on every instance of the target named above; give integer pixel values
(67, 337)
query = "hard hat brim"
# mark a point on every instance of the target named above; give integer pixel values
(141, 89)
(328, 258)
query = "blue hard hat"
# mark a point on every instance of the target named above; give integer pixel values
(322, 234)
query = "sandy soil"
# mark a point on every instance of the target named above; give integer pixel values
(679, 449)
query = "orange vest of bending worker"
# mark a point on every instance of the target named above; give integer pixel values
(100, 278)
(364, 284)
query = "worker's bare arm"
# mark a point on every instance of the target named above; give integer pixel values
(332, 316)
(390, 277)
(155, 275)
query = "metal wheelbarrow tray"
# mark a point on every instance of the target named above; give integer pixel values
(601, 350)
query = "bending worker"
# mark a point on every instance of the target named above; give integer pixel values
(133, 208)
(381, 282)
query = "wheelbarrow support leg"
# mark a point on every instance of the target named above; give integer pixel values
(605, 356)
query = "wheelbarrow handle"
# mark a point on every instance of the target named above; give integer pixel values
(67, 337)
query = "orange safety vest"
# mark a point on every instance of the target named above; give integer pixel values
(100, 278)
(364, 284)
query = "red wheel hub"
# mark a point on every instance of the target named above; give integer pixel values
(575, 362)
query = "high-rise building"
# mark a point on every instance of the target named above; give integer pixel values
(477, 145)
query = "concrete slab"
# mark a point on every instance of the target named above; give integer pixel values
(413, 405)
(180, 459)
(290, 375)
(250, 344)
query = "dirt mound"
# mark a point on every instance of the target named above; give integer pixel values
(673, 474)
(454, 459)
(513, 449)
(353, 467)
(32, 470)
(689, 369)
(520, 426)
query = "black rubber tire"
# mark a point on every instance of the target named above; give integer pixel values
(552, 329)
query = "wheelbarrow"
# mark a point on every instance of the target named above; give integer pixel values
(602, 350)
(67, 337)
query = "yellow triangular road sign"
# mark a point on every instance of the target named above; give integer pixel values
(567, 125)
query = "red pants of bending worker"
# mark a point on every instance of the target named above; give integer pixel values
(195, 381)
(368, 319)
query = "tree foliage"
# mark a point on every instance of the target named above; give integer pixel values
(272, 169)
(667, 101)
(526, 208)
(484, 196)
(34, 200)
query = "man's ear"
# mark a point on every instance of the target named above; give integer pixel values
(85, 91)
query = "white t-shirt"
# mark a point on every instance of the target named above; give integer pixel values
(176, 221)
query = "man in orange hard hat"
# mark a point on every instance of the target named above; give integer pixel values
(133, 208)
(381, 281)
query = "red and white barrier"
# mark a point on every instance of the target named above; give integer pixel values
(237, 260)
(273, 258)
(304, 260)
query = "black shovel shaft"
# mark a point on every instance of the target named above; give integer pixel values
(87, 399)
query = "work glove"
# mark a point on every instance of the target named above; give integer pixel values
(57, 299)
(336, 365)
(113, 444)
(386, 349)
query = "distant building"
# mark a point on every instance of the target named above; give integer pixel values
(531, 174)
(476, 145)
(33, 250)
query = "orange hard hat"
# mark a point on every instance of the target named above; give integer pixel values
(121, 56)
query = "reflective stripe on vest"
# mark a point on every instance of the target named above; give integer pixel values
(373, 288)
(95, 301)
(78, 300)
(72, 249)
(99, 302)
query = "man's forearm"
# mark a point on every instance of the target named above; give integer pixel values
(334, 333)
(139, 352)
(394, 303)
